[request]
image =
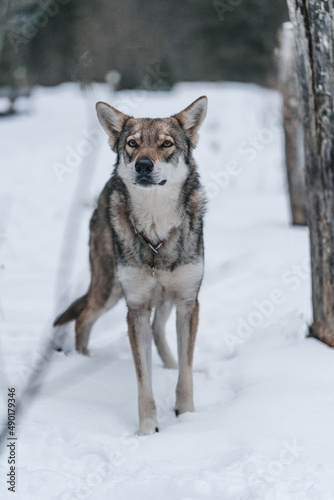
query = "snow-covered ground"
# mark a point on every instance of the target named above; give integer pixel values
(263, 427)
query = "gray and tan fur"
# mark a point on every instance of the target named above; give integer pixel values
(154, 190)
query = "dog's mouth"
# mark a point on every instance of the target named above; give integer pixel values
(145, 183)
(148, 182)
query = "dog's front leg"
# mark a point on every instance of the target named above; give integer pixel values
(140, 335)
(186, 327)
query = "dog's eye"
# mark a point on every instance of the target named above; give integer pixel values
(132, 143)
(167, 144)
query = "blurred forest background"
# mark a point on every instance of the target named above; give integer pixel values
(47, 42)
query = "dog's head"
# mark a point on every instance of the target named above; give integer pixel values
(153, 152)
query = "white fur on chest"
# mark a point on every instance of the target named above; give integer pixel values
(156, 211)
(140, 287)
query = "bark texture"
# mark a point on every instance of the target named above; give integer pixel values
(313, 22)
(293, 127)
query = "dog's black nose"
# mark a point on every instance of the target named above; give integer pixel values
(144, 166)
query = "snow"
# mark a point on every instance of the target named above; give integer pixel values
(263, 392)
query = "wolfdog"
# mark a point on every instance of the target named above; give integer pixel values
(146, 244)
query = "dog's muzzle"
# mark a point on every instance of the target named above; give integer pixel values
(144, 173)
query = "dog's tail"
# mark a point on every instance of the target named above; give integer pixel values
(72, 312)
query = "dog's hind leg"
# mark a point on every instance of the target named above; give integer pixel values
(161, 316)
(94, 308)
(83, 326)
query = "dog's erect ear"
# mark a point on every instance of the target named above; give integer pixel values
(192, 118)
(111, 120)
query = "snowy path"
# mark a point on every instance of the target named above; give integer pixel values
(263, 393)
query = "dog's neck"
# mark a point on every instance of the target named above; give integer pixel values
(155, 211)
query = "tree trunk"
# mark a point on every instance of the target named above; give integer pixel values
(293, 127)
(3, 22)
(313, 22)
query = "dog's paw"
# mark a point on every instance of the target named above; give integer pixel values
(148, 426)
(171, 364)
(184, 407)
(84, 351)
